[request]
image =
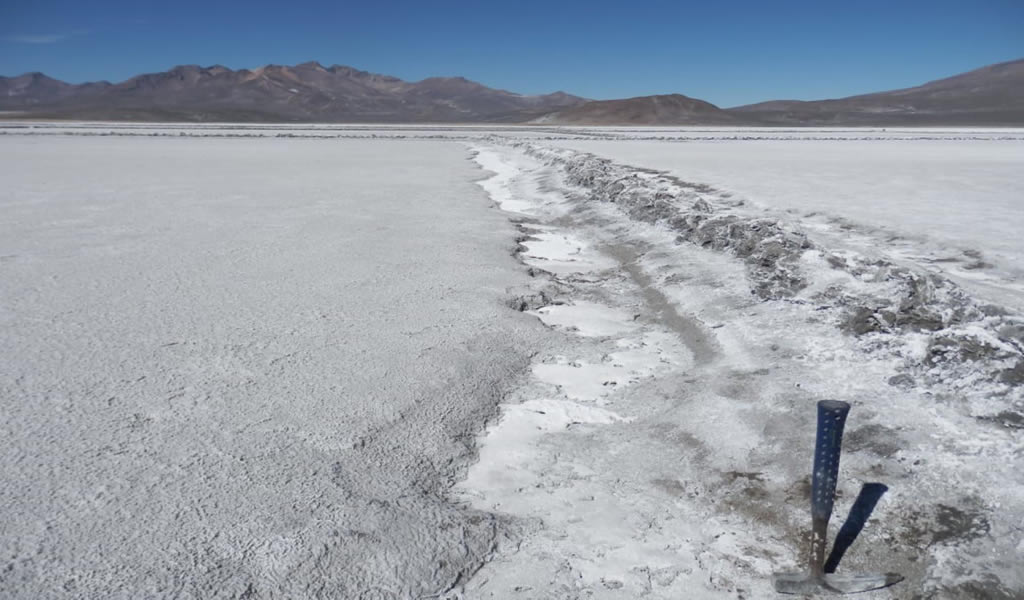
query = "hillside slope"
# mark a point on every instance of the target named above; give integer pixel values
(989, 95)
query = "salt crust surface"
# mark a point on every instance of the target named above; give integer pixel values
(687, 479)
(652, 442)
(247, 368)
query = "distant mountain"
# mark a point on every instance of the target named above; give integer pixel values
(992, 95)
(306, 92)
(669, 109)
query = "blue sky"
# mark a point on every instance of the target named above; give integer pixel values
(728, 53)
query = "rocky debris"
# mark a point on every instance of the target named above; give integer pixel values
(892, 306)
(769, 249)
(545, 290)
(529, 301)
(913, 301)
(1006, 419)
(1013, 375)
(965, 341)
(902, 381)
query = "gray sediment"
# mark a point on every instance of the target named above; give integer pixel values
(964, 336)
(696, 338)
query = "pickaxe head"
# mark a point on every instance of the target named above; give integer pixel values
(809, 584)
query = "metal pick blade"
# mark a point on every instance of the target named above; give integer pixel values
(832, 584)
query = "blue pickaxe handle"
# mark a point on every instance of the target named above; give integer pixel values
(831, 420)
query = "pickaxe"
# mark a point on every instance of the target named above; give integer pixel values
(831, 420)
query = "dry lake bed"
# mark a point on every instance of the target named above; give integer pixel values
(507, 362)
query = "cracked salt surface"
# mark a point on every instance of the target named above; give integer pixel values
(563, 254)
(700, 491)
(219, 382)
(238, 385)
(588, 318)
(511, 191)
(943, 202)
(515, 471)
(582, 380)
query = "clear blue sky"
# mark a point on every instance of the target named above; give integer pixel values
(728, 53)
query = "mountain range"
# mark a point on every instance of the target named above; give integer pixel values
(310, 92)
(305, 92)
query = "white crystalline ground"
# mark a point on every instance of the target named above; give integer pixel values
(257, 368)
(246, 368)
(699, 133)
(689, 478)
(278, 130)
(455, 131)
(561, 253)
(587, 318)
(939, 197)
